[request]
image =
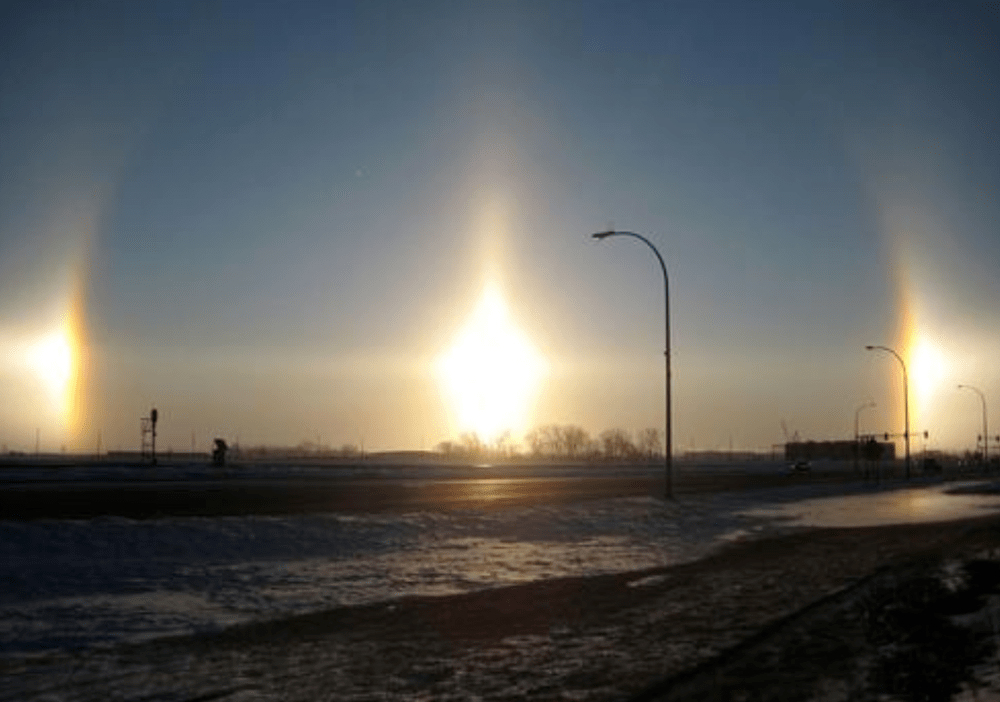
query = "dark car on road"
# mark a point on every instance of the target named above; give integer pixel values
(799, 467)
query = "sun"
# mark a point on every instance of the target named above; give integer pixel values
(928, 368)
(52, 359)
(492, 372)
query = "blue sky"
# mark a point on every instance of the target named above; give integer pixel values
(269, 219)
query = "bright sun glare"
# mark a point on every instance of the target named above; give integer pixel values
(51, 358)
(492, 372)
(928, 369)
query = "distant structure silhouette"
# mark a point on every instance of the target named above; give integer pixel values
(219, 452)
(838, 450)
(153, 415)
(873, 455)
(147, 425)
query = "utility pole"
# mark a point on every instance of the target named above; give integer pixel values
(153, 415)
(667, 433)
(857, 443)
(906, 401)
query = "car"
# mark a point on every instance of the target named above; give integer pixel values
(799, 467)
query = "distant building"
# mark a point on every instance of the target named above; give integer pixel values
(715, 456)
(834, 450)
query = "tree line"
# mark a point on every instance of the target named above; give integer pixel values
(561, 442)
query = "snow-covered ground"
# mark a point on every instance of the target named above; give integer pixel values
(77, 584)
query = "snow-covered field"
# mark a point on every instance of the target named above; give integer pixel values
(78, 584)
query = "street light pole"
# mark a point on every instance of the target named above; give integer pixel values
(668, 442)
(986, 436)
(906, 402)
(857, 446)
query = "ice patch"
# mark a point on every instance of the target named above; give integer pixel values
(649, 581)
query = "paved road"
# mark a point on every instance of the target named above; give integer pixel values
(289, 496)
(234, 495)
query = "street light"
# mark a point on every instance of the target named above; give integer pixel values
(857, 447)
(906, 402)
(986, 436)
(668, 457)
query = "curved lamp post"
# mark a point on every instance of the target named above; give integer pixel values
(857, 446)
(906, 401)
(668, 444)
(986, 436)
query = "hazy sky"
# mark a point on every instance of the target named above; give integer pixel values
(273, 221)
